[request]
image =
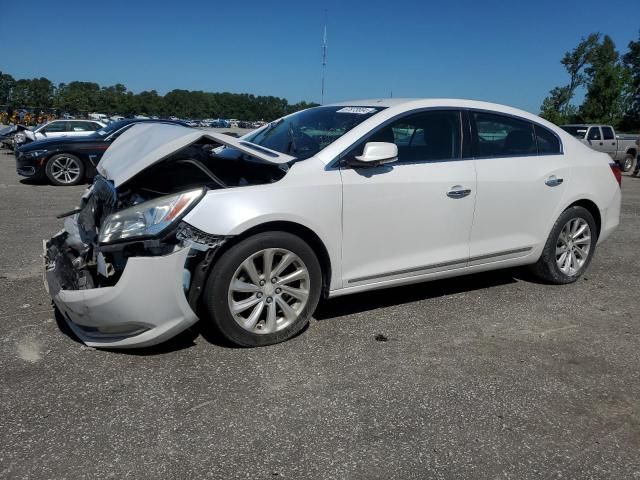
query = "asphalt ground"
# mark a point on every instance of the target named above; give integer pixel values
(489, 376)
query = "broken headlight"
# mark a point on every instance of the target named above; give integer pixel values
(147, 219)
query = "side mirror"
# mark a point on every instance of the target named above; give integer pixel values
(376, 154)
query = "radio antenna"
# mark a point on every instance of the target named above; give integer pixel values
(324, 55)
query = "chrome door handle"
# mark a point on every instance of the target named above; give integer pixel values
(458, 192)
(553, 181)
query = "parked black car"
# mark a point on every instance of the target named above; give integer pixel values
(71, 160)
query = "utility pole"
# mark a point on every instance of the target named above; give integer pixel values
(324, 55)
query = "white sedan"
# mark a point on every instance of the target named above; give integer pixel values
(250, 233)
(59, 128)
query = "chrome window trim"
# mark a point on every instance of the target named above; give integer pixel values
(335, 162)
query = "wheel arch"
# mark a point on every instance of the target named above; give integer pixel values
(302, 231)
(88, 166)
(592, 208)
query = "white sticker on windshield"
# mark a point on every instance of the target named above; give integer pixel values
(358, 110)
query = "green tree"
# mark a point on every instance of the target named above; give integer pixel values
(631, 59)
(41, 93)
(6, 86)
(606, 82)
(557, 107)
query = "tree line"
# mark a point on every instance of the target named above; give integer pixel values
(40, 94)
(610, 82)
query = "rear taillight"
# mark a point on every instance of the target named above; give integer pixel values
(615, 169)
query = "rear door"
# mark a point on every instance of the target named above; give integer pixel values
(610, 144)
(522, 175)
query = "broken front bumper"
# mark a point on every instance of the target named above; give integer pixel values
(145, 307)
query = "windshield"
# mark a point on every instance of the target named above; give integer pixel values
(576, 131)
(112, 127)
(305, 133)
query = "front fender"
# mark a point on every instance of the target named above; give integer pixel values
(304, 197)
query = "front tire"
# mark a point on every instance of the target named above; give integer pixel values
(569, 248)
(263, 290)
(65, 169)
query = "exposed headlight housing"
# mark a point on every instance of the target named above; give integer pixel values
(19, 137)
(148, 219)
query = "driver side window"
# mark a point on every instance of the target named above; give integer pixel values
(433, 135)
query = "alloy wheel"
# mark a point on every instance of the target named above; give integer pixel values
(573, 246)
(65, 169)
(628, 164)
(269, 290)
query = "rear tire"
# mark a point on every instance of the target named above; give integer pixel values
(627, 164)
(569, 248)
(65, 169)
(250, 296)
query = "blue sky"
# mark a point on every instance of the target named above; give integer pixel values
(502, 51)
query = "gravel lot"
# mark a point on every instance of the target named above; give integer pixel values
(490, 376)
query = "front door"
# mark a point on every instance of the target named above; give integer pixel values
(414, 216)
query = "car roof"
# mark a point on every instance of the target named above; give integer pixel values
(402, 104)
(74, 120)
(585, 125)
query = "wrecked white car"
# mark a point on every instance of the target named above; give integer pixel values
(248, 233)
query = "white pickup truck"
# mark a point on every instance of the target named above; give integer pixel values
(622, 148)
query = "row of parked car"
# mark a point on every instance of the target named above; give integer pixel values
(66, 152)
(206, 123)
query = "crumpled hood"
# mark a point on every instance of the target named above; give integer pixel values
(148, 143)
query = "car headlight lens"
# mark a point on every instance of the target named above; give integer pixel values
(19, 137)
(35, 153)
(148, 218)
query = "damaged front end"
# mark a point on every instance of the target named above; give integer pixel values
(126, 270)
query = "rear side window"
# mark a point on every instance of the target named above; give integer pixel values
(607, 133)
(546, 140)
(79, 126)
(56, 127)
(594, 133)
(503, 136)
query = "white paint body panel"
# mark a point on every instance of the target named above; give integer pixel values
(514, 207)
(398, 217)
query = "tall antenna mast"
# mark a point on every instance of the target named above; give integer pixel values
(324, 54)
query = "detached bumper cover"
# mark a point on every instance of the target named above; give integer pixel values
(145, 307)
